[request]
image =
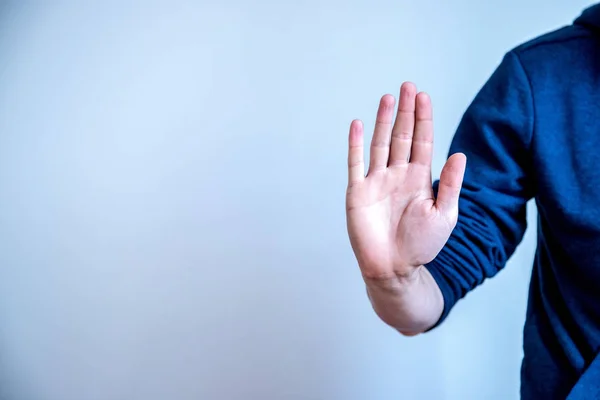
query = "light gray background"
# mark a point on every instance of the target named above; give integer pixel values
(172, 186)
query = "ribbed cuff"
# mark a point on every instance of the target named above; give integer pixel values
(437, 268)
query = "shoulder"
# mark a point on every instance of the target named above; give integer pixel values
(571, 46)
(567, 36)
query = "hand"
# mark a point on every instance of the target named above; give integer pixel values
(394, 222)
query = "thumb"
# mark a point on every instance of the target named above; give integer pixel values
(449, 187)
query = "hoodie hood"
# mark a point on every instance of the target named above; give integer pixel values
(590, 17)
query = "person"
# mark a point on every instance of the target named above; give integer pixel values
(531, 132)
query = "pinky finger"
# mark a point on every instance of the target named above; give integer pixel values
(356, 163)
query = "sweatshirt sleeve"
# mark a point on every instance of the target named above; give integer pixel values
(495, 134)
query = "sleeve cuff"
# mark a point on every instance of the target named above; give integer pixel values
(437, 268)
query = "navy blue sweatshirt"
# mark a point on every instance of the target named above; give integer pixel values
(533, 132)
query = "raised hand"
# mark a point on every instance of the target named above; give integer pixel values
(394, 222)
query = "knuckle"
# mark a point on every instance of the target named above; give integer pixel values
(380, 142)
(403, 135)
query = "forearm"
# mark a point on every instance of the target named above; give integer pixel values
(411, 306)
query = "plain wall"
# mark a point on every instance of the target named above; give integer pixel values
(172, 183)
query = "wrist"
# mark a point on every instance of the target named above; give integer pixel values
(410, 305)
(399, 280)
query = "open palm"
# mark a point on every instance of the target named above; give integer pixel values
(394, 222)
